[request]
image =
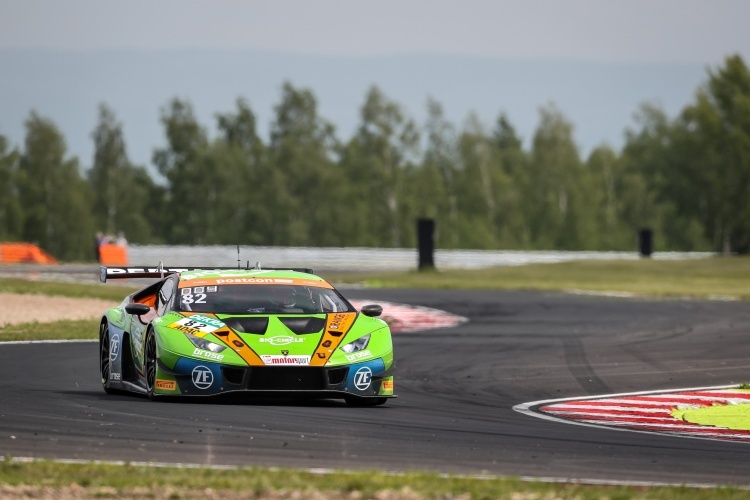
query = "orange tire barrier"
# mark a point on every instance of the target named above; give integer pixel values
(113, 255)
(13, 253)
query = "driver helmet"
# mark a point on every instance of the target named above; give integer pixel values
(284, 296)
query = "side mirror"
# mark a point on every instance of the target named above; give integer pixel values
(137, 308)
(372, 310)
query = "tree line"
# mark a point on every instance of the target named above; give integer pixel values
(687, 178)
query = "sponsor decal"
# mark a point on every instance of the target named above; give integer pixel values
(115, 376)
(203, 378)
(281, 340)
(207, 354)
(336, 321)
(244, 280)
(207, 320)
(387, 385)
(114, 347)
(359, 355)
(271, 359)
(185, 329)
(363, 378)
(210, 279)
(166, 385)
(197, 324)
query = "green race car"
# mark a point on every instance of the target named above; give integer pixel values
(202, 332)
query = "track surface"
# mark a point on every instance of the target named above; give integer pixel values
(457, 388)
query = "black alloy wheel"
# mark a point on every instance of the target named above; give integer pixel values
(150, 362)
(105, 363)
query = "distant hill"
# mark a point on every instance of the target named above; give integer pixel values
(599, 98)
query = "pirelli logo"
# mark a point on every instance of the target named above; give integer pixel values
(166, 385)
(387, 385)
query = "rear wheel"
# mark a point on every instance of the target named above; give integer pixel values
(150, 362)
(105, 361)
(360, 402)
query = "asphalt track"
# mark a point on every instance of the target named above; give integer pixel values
(456, 391)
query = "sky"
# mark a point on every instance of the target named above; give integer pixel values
(630, 51)
(615, 31)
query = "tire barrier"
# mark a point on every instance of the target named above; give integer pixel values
(15, 253)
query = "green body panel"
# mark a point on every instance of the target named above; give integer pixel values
(379, 346)
(174, 344)
(117, 316)
(278, 339)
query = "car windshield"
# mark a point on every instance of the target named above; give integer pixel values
(261, 299)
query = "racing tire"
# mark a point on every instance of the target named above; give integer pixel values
(359, 402)
(105, 362)
(149, 363)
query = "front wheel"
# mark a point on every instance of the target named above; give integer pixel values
(105, 360)
(150, 362)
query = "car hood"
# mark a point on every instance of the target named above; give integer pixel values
(296, 339)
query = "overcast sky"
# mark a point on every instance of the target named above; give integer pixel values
(699, 31)
(598, 60)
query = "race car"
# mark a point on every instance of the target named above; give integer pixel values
(274, 332)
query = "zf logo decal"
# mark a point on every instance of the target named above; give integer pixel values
(114, 347)
(363, 378)
(202, 377)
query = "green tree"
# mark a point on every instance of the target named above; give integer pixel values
(251, 186)
(512, 227)
(307, 206)
(654, 171)
(191, 191)
(480, 183)
(11, 216)
(550, 193)
(55, 197)
(433, 187)
(121, 191)
(712, 154)
(378, 160)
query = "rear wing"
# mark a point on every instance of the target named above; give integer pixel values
(109, 273)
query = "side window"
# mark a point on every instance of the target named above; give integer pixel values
(165, 297)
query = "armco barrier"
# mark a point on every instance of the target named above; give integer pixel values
(14, 253)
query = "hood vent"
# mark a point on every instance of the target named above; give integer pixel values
(303, 326)
(257, 326)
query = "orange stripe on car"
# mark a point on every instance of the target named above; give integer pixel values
(336, 327)
(244, 280)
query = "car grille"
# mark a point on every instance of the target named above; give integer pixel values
(287, 378)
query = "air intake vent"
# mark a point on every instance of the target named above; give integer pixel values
(286, 378)
(302, 326)
(257, 326)
(337, 375)
(234, 376)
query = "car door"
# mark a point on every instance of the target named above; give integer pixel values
(159, 296)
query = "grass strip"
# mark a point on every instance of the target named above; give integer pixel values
(58, 330)
(64, 289)
(717, 277)
(103, 480)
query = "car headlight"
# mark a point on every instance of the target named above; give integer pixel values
(205, 344)
(358, 345)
